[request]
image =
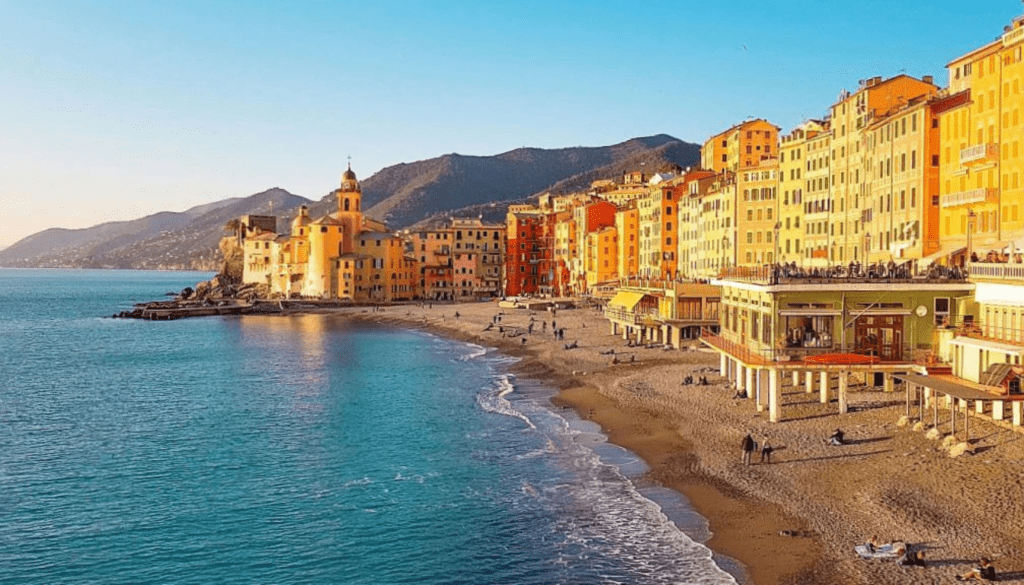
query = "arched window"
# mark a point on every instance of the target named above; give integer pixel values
(346, 204)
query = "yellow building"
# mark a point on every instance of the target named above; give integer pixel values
(900, 213)
(717, 235)
(792, 156)
(756, 217)
(819, 205)
(980, 173)
(658, 231)
(342, 255)
(688, 210)
(850, 117)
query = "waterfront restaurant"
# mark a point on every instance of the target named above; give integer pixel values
(662, 311)
(782, 324)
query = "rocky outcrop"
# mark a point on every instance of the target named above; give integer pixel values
(231, 268)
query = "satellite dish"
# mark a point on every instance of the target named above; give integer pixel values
(921, 310)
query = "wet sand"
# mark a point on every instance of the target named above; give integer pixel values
(797, 519)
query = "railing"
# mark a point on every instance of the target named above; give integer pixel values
(979, 152)
(1008, 335)
(996, 271)
(907, 353)
(967, 197)
(624, 316)
(770, 274)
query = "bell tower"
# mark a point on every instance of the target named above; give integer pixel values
(350, 213)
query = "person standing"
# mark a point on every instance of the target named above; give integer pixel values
(748, 447)
(766, 451)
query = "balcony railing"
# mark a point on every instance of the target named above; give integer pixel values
(1008, 335)
(979, 153)
(968, 197)
(996, 271)
(900, 354)
(790, 273)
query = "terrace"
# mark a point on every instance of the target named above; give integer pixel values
(773, 274)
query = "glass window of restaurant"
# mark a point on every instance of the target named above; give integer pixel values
(812, 332)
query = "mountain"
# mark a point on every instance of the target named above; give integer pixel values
(166, 240)
(407, 194)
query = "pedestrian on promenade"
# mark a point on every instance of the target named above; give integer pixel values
(766, 451)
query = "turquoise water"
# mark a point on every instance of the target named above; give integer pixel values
(303, 449)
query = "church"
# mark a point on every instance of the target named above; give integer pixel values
(342, 255)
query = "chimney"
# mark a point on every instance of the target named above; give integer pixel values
(928, 79)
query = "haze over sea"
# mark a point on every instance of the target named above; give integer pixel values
(302, 449)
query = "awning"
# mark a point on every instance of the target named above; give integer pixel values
(986, 344)
(809, 312)
(625, 299)
(943, 253)
(953, 389)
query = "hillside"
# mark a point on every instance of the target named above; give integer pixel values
(404, 195)
(165, 240)
(409, 193)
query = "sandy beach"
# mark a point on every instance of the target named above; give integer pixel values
(797, 519)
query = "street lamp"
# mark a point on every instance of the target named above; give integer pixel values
(971, 217)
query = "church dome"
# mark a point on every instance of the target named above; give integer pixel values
(348, 175)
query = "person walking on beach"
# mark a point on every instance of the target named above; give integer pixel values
(766, 451)
(748, 447)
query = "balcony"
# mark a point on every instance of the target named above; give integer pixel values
(969, 197)
(979, 154)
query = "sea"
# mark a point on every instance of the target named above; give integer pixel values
(301, 449)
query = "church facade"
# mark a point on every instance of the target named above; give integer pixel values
(341, 255)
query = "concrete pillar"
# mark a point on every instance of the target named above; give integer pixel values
(751, 389)
(997, 409)
(979, 406)
(823, 388)
(796, 378)
(762, 390)
(723, 365)
(774, 396)
(961, 405)
(887, 382)
(809, 382)
(843, 382)
(615, 327)
(928, 397)
(741, 379)
(1018, 411)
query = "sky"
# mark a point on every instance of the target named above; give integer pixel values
(112, 111)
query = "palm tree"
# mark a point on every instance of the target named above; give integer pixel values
(235, 227)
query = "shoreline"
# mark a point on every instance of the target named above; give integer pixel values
(796, 520)
(744, 550)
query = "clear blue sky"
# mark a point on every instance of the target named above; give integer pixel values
(114, 110)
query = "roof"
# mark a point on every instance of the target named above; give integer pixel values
(986, 344)
(327, 220)
(949, 387)
(995, 374)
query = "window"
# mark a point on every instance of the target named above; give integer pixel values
(942, 310)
